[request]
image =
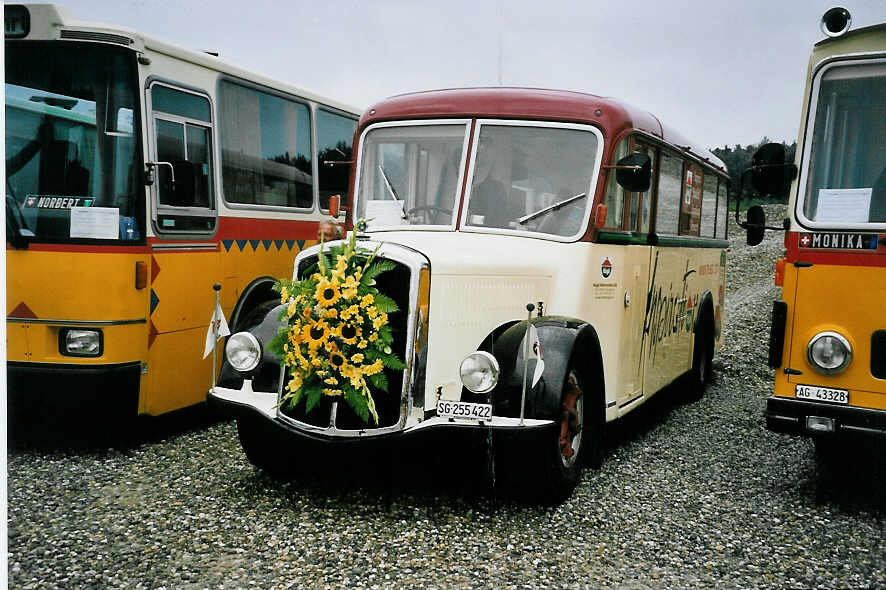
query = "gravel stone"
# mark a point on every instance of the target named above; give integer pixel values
(690, 495)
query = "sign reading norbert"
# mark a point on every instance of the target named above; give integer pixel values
(500, 234)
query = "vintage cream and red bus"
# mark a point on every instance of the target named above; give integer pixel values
(611, 225)
(138, 175)
(828, 338)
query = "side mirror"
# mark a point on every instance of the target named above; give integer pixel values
(756, 223)
(634, 172)
(770, 174)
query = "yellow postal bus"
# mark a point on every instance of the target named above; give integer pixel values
(608, 225)
(138, 175)
(828, 338)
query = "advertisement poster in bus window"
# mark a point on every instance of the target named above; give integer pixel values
(690, 208)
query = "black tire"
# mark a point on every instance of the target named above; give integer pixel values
(702, 359)
(565, 452)
(265, 449)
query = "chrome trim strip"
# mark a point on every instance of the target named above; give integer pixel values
(630, 401)
(76, 322)
(189, 246)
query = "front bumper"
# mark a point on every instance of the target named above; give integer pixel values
(248, 403)
(46, 389)
(789, 416)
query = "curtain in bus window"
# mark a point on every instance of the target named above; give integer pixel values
(669, 192)
(615, 194)
(640, 201)
(709, 206)
(266, 148)
(335, 136)
(690, 205)
(722, 209)
(847, 174)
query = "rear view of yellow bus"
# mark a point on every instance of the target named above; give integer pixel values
(139, 175)
(828, 339)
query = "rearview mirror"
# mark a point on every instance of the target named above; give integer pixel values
(756, 223)
(634, 172)
(770, 174)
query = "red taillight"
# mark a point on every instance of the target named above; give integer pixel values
(779, 272)
(141, 275)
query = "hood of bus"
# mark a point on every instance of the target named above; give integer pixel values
(50, 287)
(847, 299)
(481, 281)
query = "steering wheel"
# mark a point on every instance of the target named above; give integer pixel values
(428, 210)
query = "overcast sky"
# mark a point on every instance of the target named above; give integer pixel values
(721, 71)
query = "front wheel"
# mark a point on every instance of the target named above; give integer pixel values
(563, 455)
(263, 449)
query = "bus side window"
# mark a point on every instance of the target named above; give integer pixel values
(183, 127)
(690, 205)
(265, 148)
(709, 205)
(639, 202)
(667, 211)
(615, 194)
(722, 210)
(335, 136)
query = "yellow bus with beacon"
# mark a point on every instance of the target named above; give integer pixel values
(607, 225)
(828, 335)
(138, 175)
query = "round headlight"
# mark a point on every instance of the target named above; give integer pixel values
(243, 351)
(479, 372)
(829, 352)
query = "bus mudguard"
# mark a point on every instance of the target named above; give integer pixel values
(562, 340)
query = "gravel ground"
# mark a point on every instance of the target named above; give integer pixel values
(693, 495)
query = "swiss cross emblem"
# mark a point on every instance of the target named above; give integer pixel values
(805, 240)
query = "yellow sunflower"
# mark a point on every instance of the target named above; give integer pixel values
(316, 334)
(327, 293)
(355, 375)
(348, 333)
(374, 368)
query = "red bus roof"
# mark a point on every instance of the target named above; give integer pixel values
(612, 116)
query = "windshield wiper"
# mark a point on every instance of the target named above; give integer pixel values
(392, 191)
(553, 207)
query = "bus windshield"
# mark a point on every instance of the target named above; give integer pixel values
(847, 170)
(71, 143)
(410, 174)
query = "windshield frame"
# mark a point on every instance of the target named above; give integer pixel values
(464, 122)
(137, 198)
(802, 191)
(591, 192)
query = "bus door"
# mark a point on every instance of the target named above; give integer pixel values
(637, 260)
(184, 256)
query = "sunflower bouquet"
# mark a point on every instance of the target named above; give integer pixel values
(337, 340)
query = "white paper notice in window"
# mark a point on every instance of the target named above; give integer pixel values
(845, 205)
(384, 213)
(101, 223)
